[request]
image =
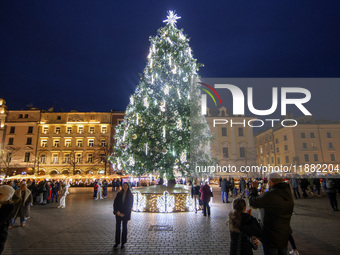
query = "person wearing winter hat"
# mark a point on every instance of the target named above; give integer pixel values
(6, 212)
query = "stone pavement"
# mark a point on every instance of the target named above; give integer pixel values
(86, 226)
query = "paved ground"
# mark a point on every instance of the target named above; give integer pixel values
(86, 226)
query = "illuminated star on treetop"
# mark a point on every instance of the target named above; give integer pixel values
(172, 18)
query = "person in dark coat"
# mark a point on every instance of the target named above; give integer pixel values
(277, 204)
(23, 200)
(331, 193)
(6, 213)
(122, 207)
(105, 185)
(242, 187)
(55, 189)
(294, 182)
(317, 186)
(243, 229)
(195, 194)
(205, 198)
(304, 185)
(225, 190)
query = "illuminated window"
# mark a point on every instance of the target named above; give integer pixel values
(89, 158)
(68, 142)
(91, 130)
(79, 143)
(91, 142)
(102, 158)
(104, 129)
(56, 143)
(80, 129)
(55, 158)
(102, 143)
(43, 143)
(57, 130)
(45, 130)
(69, 130)
(42, 159)
(78, 158)
(67, 158)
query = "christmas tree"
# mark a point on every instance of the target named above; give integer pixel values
(163, 131)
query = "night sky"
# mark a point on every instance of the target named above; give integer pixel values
(87, 55)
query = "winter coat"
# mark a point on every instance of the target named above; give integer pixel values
(294, 183)
(240, 241)
(225, 186)
(278, 207)
(125, 207)
(205, 193)
(330, 186)
(242, 184)
(23, 203)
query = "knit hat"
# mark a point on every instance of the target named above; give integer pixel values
(7, 192)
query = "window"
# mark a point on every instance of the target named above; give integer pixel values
(272, 160)
(312, 135)
(304, 145)
(26, 116)
(271, 147)
(242, 152)
(277, 149)
(303, 135)
(276, 140)
(102, 143)
(57, 130)
(10, 141)
(102, 158)
(91, 130)
(56, 143)
(30, 130)
(225, 152)
(285, 138)
(68, 143)
(29, 141)
(27, 157)
(58, 117)
(329, 135)
(306, 157)
(78, 158)
(91, 142)
(42, 159)
(316, 157)
(79, 143)
(43, 143)
(12, 130)
(287, 159)
(20, 116)
(45, 130)
(67, 158)
(224, 131)
(240, 131)
(55, 158)
(278, 161)
(80, 129)
(69, 130)
(332, 157)
(313, 145)
(9, 157)
(286, 147)
(89, 158)
(330, 145)
(104, 129)
(261, 150)
(265, 138)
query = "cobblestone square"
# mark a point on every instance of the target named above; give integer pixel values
(86, 226)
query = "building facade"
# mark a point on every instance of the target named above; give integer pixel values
(310, 144)
(20, 140)
(74, 143)
(232, 144)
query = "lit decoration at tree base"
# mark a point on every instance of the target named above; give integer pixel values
(162, 199)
